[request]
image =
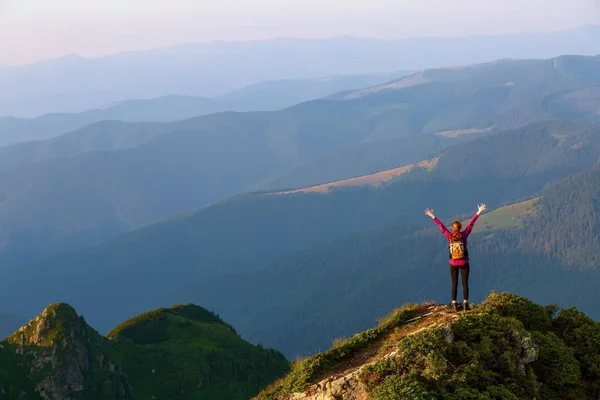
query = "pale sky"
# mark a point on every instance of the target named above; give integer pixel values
(31, 30)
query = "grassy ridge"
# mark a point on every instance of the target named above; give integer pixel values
(311, 369)
(186, 350)
(510, 216)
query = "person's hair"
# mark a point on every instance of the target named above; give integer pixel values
(456, 227)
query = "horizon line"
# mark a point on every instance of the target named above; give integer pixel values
(276, 38)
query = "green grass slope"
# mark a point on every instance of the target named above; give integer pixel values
(509, 216)
(183, 352)
(506, 348)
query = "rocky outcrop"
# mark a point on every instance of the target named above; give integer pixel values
(349, 383)
(346, 387)
(525, 350)
(66, 357)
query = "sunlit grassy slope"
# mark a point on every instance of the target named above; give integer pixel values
(374, 180)
(510, 216)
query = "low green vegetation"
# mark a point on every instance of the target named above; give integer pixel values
(307, 371)
(186, 351)
(506, 348)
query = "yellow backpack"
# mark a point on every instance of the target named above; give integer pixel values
(458, 249)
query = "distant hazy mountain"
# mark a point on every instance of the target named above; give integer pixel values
(194, 162)
(274, 95)
(99, 136)
(75, 84)
(112, 177)
(265, 96)
(497, 95)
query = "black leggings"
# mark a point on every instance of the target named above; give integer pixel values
(464, 275)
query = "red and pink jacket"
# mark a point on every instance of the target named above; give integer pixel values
(465, 234)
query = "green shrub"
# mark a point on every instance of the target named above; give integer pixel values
(533, 316)
(399, 387)
(582, 334)
(557, 368)
(482, 362)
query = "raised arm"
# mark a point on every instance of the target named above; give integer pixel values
(481, 208)
(444, 230)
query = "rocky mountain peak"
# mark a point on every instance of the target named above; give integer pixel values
(61, 352)
(507, 347)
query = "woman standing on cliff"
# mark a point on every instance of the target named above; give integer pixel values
(458, 253)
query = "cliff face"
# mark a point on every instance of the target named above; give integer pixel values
(58, 356)
(506, 348)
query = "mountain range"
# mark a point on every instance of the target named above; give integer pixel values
(305, 224)
(76, 84)
(92, 185)
(264, 96)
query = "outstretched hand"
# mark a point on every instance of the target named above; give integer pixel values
(481, 208)
(429, 213)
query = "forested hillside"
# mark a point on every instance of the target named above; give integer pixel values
(101, 136)
(183, 352)
(67, 203)
(543, 249)
(566, 225)
(362, 159)
(267, 261)
(498, 95)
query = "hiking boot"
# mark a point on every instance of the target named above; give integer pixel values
(453, 306)
(466, 306)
